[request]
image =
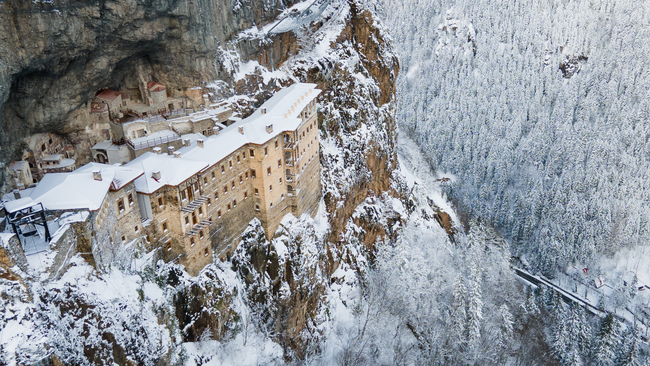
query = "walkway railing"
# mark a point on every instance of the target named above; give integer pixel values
(152, 142)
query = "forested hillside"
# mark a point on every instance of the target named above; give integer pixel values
(541, 111)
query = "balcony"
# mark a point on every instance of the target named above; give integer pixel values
(198, 227)
(194, 204)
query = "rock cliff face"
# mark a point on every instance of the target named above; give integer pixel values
(57, 54)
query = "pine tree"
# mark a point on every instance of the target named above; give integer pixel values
(607, 341)
(628, 353)
(474, 309)
(561, 339)
(458, 313)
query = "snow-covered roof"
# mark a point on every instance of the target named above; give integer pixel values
(173, 171)
(201, 116)
(4, 239)
(66, 191)
(193, 137)
(282, 111)
(164, 134)
(63, 164)
(123, 175)
(19, 165)
(53, 157)
(76, 190)
(102, 145)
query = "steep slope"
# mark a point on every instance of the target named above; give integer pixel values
(540, 109)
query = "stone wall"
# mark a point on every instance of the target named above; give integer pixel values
(129, 221)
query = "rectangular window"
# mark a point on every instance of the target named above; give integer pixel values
(216, 195)
(164, 227)
(200, 211)
(245, 194)
(253, 173)
(201, 234)
(225, 189)
(280, 180)
(130, 199)
(222, 170)
(234, 203)
(191, 242)
(270, 188)
(251, 152)
(276, 143)
(279, 163)
(266, 151)
(246, 175)
(257, 192)
(228, 207)
(238, 159)
(169, 245)
(209, 202)
(136, 229)
(268, 171)
(187, 220)
(232, 184)
(120, 205)
(241, 179)
(219, 214)
(205, 180)
(183, 196)
(229, 163)
(205, 252)
(160, 202)
(213, 177)
(244, 154)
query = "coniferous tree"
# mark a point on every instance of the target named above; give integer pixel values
(607, 341)
(474, 310)
(628, 353)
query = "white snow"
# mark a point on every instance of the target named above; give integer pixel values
(66, 191)
(4, 239)
(164, 135)
(173, 171)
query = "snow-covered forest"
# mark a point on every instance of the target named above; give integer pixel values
(540, 109)
(523, 130)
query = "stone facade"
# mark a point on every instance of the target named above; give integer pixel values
(42, 146)
(112, 99)
(22, 174)
(195, 210)
(209, 212)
